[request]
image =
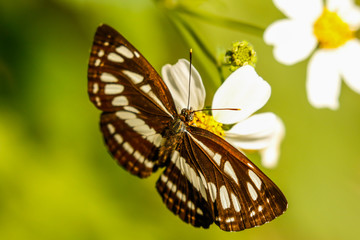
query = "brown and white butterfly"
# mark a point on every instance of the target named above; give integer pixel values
(205, 179)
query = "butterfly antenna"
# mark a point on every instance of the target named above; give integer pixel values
(217, 109)
(188, 106)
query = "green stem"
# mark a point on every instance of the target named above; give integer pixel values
(223, 22)
(221, 74)
(198, 41)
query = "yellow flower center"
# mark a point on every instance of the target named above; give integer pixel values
(207, 122)
(331, 31)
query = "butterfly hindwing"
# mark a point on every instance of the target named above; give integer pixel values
(181, 197)
(133, 138)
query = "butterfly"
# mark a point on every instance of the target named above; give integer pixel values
(205, 179)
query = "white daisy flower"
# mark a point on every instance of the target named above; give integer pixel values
(244, 90)
(329, 30)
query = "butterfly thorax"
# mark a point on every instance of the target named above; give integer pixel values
(179, 124)
(173, 135)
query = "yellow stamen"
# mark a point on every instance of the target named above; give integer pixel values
(207, 122)
(331, 31)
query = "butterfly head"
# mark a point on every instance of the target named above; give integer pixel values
(187, 115)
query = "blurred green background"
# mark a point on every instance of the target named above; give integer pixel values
(57, 180)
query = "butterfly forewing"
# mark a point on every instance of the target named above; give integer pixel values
(119, 76)
(245, 197)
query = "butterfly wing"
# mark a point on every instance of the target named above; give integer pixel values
(133, 139)
(231, 190)
(137, 104)
(180, 196)
(118, 75)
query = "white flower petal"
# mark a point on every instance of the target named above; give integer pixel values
(263, 132)
(349, 64)
(176, 77)
(338, 5)
(347, 10)
(243, 89)
(293, 40)
(352, 17)
(300, 9)
(254, 133)
(270, 154)
(323, 79)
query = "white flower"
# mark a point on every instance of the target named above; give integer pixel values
(331, 28)
(244, 90)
